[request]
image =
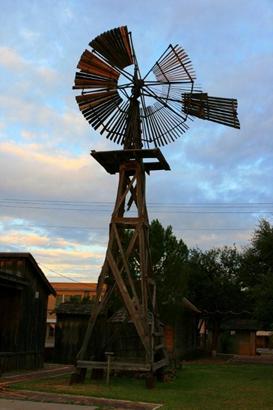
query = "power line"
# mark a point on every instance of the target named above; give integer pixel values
(107, 210)
(59, 274)
(94, 228)
(80, 203)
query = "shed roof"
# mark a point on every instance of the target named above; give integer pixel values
(122, 315)
(189, 305)
(28, 256)
(70, 308)
(240, 324)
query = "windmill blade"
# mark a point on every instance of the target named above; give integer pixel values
(163, 121)
(90, 63)
(114, 45)
(174, 76)
(174, 65)
(100, 101)
(99, 108)
(94, 73)
(96, 99)
(160, 126)
(215, 109)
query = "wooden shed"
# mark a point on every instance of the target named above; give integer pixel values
(181, 338)
(24, 292)
(238, 336)
(72, 319)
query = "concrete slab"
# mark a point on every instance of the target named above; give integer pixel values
(31, 405)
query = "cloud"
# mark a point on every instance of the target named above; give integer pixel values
(54, 253)
(11, 60)
(48, 75)
(29, 35)
(24, 70)
(23, 239)
(45, 141)
(42, 173)
(59, 161)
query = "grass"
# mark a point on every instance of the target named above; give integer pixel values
(197, 386)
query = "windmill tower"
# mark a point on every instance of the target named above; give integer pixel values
(141, 114)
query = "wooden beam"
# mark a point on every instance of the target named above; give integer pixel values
(134, 314)
(115, 365)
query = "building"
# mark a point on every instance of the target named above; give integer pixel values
(70, 328)
(236, 335)
(65, 292)
(180, 338)
(24, 292)
(264, 341)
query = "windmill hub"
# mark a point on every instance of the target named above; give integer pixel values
(138, 85)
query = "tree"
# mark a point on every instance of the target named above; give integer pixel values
(257, 273)
(214, 284)
(170, 263)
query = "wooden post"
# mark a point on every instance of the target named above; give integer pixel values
(109, 356)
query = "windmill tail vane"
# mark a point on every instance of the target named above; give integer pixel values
(220, 110)
(141, 114)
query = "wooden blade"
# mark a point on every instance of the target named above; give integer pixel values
(174, 66)
(98, 107)
(114, 45)
(95, 73)
(89, 81)
(216, 109)
(96, 99)
(90, 63)
(163, 122)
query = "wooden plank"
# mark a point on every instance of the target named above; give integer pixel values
(111, 160)
(123, 195)
(126, 268)
(134, 314)
(85, 364)
(128, 221)
(161, 363)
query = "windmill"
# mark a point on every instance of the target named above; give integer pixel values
(141, 113)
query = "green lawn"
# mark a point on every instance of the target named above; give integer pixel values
(197, 386)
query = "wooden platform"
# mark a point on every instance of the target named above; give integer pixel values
(124, 366)
(111, 160)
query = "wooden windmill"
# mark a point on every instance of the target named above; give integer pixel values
(141, 114)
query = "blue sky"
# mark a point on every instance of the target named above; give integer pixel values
(56, 201)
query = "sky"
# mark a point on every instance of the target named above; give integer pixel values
(56, 200)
